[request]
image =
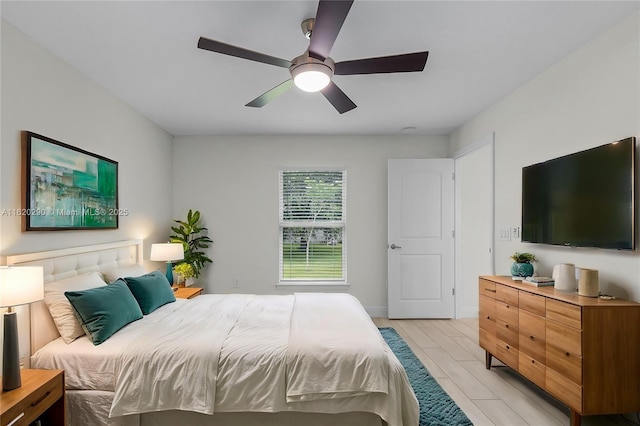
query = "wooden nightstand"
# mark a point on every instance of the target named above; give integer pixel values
(40, 396)
(187, 292)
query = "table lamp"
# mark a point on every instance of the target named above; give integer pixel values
(19, 285)
(167, 252)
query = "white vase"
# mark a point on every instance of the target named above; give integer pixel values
(564, 275)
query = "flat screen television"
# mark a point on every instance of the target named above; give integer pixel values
(585, 199)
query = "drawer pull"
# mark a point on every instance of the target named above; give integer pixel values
(532, 338)
(533, 361)
(14, 421)
(506, 325)
(38, 401)
(508, 347)
(567, 353)
(489, 290)
(507, 306)
(488, 317)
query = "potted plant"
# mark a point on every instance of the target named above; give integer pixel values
(185, 273)
(521, 266)
(190, 234)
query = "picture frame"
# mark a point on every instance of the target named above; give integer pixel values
(66, 188)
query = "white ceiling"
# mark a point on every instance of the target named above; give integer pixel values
(145, 53)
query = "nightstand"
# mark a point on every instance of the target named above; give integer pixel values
(187, 292)
(40, 396)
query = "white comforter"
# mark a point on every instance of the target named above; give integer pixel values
(335, 351)
(225, 353)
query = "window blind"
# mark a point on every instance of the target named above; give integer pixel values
(312, 226)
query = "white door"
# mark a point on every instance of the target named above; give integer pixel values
(420, 238)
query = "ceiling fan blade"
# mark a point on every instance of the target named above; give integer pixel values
(329, 19)
(270, 95)
(337, 98)
(239, 52)
(408, 62)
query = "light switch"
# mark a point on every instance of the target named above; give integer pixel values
(515, 232)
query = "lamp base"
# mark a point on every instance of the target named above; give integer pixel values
(10, 354)
(170, 273)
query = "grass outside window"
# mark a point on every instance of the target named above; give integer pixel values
(325, 262)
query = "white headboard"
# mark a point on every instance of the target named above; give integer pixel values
(66, 263)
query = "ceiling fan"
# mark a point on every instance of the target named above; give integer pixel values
(314, 69)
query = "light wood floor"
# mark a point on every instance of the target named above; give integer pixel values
(449, 349)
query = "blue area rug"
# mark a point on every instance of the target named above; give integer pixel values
(436, 406)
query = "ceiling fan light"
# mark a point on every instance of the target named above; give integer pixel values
(311, 81)
(311, 77)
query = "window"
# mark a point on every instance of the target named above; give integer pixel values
(312, 227)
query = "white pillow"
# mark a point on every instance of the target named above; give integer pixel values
(59, 307)
(134, 270)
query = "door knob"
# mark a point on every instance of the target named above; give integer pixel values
(393, 247)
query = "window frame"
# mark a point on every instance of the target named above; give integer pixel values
(341, 282)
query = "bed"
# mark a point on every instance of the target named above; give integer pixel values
(219, 359)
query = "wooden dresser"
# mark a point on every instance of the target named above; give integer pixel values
(584, 351)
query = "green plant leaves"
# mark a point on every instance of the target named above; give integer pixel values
(523, 257)
(189, 234)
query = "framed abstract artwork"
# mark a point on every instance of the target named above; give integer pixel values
(65, 187)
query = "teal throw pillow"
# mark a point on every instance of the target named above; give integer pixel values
(104, 310)
(151, 290)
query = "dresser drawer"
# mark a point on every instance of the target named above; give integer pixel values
(487, 340)
(487, 288)
(565, 313)
(569, 365)
(564, 389)
(531, 368)
(533, 346)
(531, 323)
(507, 333)
(507, 295)
(532, 303)
(564, 337)
(507, 354)
(487, 307)
(507, 313)
(487, 320)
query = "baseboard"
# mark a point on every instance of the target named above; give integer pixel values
(467, 312)
(377, 311)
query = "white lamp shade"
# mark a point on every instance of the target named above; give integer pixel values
(20, 285)
(167, 252)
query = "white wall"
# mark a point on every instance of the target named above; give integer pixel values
(44, 94)
(233, 181)
(590, 98)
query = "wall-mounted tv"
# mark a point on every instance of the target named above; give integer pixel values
(585, 199)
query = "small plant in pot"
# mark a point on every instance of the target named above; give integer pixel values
(521, 266)
(185, 273)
